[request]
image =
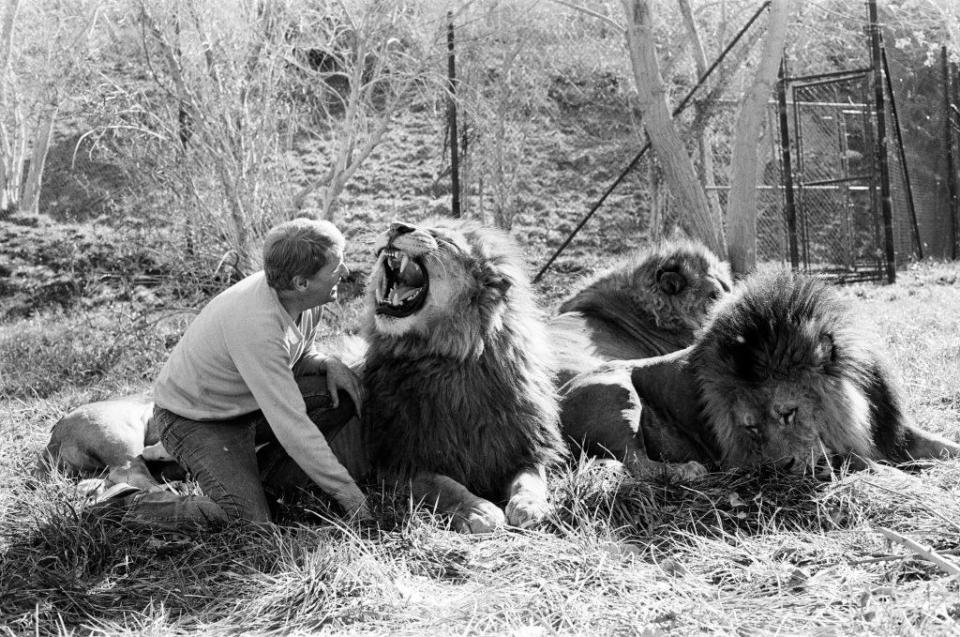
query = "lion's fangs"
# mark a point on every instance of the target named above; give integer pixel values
(394, 264)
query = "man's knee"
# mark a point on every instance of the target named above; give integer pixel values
(329, 419)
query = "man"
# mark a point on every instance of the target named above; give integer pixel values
(249, 358)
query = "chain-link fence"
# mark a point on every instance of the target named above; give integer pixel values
(836, 181)
(927, 103)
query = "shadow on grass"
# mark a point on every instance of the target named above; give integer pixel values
(719, 505)
(62, 568)
(75, 567)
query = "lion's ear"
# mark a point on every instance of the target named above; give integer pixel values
(671, 282)
(493, 280)
(825, 352)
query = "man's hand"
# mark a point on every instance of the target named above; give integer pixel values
(355, 507)
(339, 376)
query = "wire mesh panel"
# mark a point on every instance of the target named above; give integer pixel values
(921, 95)
(835, 178)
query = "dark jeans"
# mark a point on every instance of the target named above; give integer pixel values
(222, 457)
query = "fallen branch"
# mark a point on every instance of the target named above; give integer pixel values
(926, 553)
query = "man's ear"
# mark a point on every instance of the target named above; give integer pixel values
(298, 283)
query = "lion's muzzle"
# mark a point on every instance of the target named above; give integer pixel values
(403, 283)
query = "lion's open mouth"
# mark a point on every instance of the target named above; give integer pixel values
(403, 284)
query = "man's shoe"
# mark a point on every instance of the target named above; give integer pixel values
(114, 493)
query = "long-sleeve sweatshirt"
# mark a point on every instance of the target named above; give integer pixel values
(237, 356)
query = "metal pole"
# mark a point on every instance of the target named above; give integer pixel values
(948, 140)
(452, 119)
(901, 153)
(885, 202)
(789, 203)
(954, 117)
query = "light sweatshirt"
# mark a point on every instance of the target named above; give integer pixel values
(238, 355)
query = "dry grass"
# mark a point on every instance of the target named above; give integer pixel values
(734, 553)
(752, 553)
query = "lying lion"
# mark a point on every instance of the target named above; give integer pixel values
(647, 306)
(111, 437)
(780, 375)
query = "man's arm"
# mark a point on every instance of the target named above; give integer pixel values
(264, 370)
(339, 376)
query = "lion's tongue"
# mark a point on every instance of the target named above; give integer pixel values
(400, 294)
(410, 277)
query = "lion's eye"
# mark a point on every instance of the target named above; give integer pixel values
(751, 426)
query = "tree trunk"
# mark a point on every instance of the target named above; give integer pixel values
(703, 139)
(742, 200)
(9, 158)
(30, 199)
(652, 101)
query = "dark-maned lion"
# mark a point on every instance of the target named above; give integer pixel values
(781, 374)
(460, 399)
(647, 306)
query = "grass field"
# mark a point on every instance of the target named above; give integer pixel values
(745, 553)
(92, 308)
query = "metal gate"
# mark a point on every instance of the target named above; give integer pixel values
(835, 183)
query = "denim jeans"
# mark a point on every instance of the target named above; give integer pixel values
(222, 457)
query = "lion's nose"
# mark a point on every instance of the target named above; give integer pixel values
(397, 228)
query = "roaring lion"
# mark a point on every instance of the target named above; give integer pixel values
(647, 306)
(460, 399)
(781, 375)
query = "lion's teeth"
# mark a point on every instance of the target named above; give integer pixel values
(404, 260)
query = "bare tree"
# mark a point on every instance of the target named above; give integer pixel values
(32, 90)
(223, 118)
(369, 67)
(742, 200)
(244, 86)
(704, 133)
(505, 77)
(664, 138)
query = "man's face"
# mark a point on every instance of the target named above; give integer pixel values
(322, 286)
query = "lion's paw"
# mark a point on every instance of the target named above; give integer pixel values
(644, 468)
(525, 510)
(688, 470)
(482, 517)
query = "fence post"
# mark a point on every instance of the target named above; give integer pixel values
(901, 154)
(452, 119)
(885, 203)
(948, 140)
(954, 116)
(789, 203)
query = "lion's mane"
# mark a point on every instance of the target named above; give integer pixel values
(650, 304)
(471, 397)
(783, 367)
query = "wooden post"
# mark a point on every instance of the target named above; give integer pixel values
(885, 202)
(452, 119)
